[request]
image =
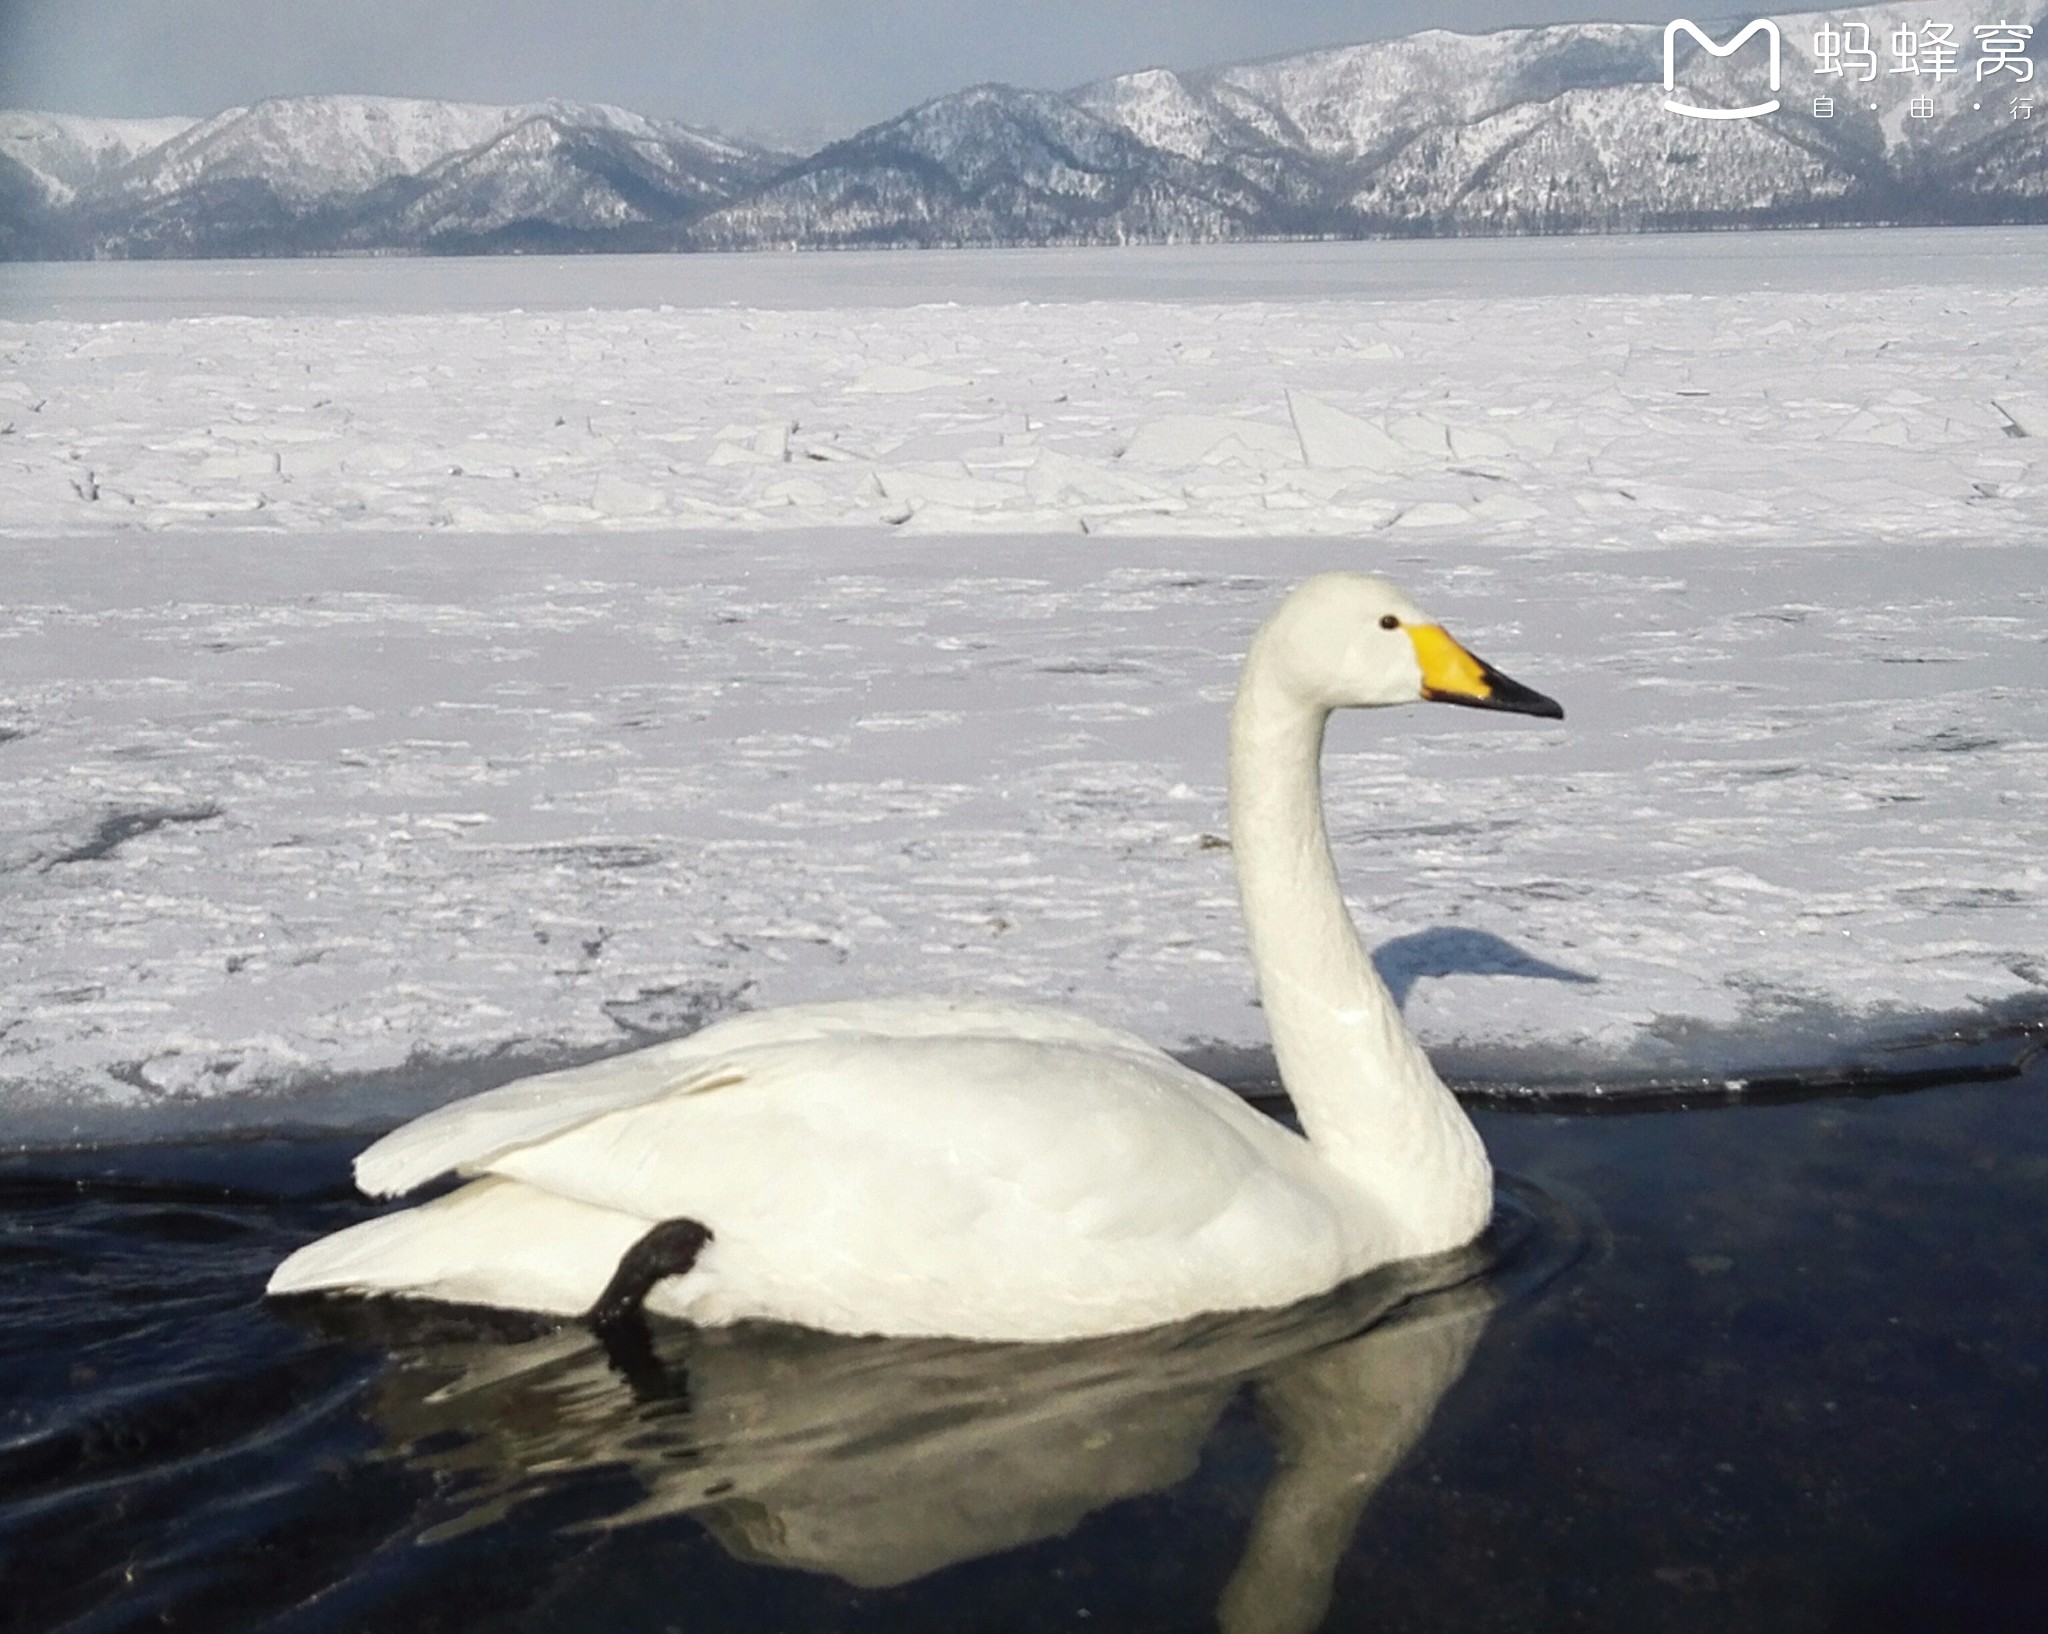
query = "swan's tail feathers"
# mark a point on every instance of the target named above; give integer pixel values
(494, 1242)
(669, 1250)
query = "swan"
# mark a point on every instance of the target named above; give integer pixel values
(975, 1169)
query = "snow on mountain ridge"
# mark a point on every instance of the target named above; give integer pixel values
(1345, 102)
(1156, 107)
(312, 148)
(989, 164)
(573, 168)
(989, 131)
(299, 175)
(309, 148)
(521, 186)
(66, 153)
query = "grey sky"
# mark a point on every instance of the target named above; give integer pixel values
(806, 69)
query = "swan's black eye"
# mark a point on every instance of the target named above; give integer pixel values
(1389, 622)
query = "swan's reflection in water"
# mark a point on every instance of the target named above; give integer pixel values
(881, 1460)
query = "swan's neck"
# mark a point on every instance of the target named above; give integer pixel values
(1367, 1096)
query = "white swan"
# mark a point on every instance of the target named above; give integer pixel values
(976, 1169)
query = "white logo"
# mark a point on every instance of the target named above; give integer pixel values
(1763, 26)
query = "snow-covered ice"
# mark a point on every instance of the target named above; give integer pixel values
(385, 686)
(1764, 415)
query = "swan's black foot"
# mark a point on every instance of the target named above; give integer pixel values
(668, 1250)
(620, 1315)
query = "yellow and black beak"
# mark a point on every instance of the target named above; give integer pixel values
(1451, 675)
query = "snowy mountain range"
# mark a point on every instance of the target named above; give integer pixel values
(1558, 129)
(326, 174)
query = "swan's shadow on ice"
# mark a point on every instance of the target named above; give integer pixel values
(881, 1460)
(1451, 950)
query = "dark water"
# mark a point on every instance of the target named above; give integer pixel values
(1773, 1367)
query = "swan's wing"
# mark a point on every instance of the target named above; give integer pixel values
(467, 1135)
(961, 1185)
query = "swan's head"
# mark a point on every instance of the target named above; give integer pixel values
(1350, 641)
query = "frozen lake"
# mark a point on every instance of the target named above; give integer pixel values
(409, 664)
(1402, 269)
